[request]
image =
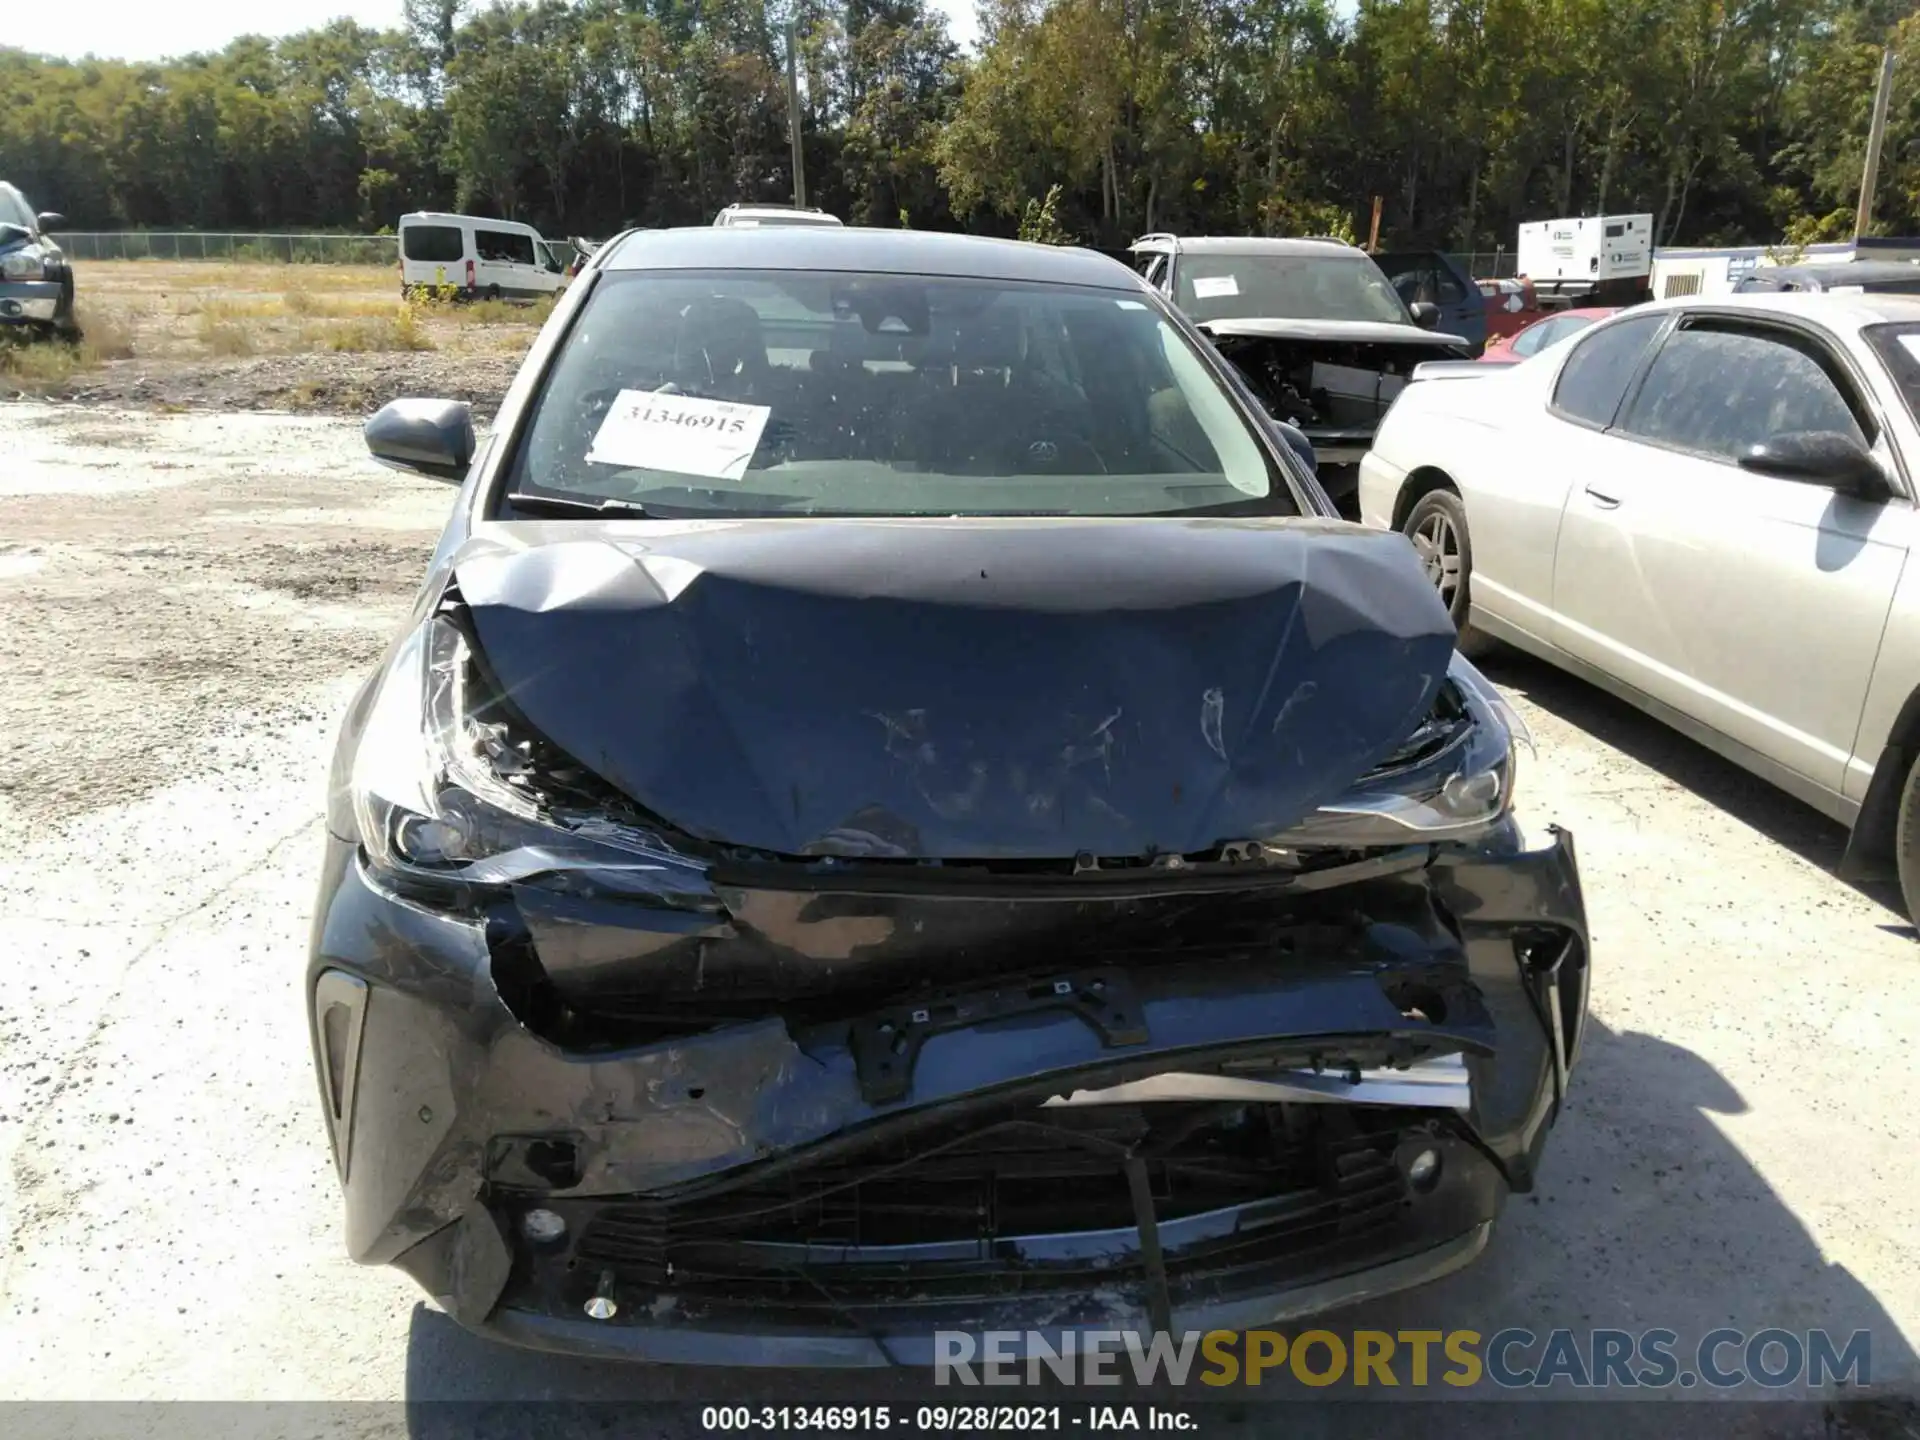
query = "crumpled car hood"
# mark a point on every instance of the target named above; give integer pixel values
(1362, 332)
(983, 688)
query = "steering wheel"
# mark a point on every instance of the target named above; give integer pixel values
(1055, 444)
(1060, 454)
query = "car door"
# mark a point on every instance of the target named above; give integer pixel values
(1430, 276)
(1517, 453)
(504, 261)
(1750, 603)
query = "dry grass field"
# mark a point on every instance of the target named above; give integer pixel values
(176, 335)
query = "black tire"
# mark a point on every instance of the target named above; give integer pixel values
(1437, 526)
(1906, 841)
(66, 320)
(493, 292)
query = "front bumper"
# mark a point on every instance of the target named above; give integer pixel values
(1378, 490)
(697, 1173)
(30, 301)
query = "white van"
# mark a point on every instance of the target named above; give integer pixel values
(483, 259)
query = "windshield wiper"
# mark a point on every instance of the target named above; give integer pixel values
(565, 505)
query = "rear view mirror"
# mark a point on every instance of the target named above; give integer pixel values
(50, 220)
(426, 437)
(1820, 457)
(1426, 314)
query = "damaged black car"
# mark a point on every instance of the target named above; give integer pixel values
(898, 810)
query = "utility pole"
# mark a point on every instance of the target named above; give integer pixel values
(793, 119)
(1876, 137)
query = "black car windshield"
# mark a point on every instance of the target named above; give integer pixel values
(1899, 347)
(1286, 287)
(797, 393)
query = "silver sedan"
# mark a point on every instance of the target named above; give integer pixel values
(1707, 508)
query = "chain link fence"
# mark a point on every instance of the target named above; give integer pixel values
(209, 245)
(381, 249)
(1486, 264)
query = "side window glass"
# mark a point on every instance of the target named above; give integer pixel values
(1595, 375)
(1422, 277)
(1156, 271)
(1718, 391)
(504, 247)
(1533, 339)
(1415, 285)
(434, 244)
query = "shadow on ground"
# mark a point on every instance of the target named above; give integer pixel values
(1647, 1216)
(1750, 800)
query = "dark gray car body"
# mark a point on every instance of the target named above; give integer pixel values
(943, 806)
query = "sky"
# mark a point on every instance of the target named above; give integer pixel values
(146, 30)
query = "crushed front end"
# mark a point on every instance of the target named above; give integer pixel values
(604, 1085)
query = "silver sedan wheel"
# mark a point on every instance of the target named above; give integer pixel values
(1438, 545)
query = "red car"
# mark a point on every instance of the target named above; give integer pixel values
(1532, 338)
(1511, 306)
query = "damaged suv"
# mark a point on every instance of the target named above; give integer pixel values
(1315, 328)
(897, 811)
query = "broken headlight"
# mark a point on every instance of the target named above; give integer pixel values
(1451, 779)
(438, 790)
(28, 263)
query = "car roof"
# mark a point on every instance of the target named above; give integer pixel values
(1841, 312)
(442, 217)
(853, 248)
(1590, 312)
(1245, 245)
(1841, 272)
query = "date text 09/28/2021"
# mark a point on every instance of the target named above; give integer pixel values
(946, 1419)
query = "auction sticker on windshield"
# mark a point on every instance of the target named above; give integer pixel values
(685, 434)
(1214, 287)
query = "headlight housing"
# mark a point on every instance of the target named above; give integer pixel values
(440, 792)
(27, 263)
(1452, 779)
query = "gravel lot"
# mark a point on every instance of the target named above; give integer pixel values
(315, 339)
(185, 605)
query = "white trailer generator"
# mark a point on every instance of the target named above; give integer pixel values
(1573, 258)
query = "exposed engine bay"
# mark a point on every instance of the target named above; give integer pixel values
(1324, 385)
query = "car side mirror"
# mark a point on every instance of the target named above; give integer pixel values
(49, 220)
(1425, 313)
(1820, 457)
(426, 437)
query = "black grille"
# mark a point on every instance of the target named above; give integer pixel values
(794, 1240)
